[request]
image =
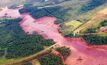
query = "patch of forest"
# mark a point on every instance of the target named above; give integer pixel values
(15, 43)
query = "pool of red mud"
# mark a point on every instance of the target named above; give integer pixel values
(81, 53)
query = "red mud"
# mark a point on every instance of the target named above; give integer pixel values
(44, 26)
(81, 53)
(10, 13)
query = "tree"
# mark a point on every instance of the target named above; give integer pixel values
(95, 39)
(64, 51)
(50, 59)
(90, 30)
(104, 23)
(17, 42)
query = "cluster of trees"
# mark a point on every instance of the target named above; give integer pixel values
(92, 4)
(91, 30)
(50, 59)
(69, 35)
(53, 59)
(104, 23)
(59, 12)
(95, 39)
(64, 51)
(17, 42)
(72, 35)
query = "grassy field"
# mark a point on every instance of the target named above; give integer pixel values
(93, 23)
(68, 27)
(73, 23)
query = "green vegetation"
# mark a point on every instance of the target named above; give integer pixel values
(95, 39)
(69, 35)
(91, 24)
(68, 27)
(92, 4)
(91, 30)
(94, 30)
(14, 43)
(4, 60)
(74, 24)
(65, 51)
(51, 59)
(104, 23)
(59, 12)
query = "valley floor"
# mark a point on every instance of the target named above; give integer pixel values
(81, 53)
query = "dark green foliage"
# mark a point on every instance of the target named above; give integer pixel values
(91, 30)
(17, 42)
(104, 23)
(48, 43)
(65, 51)
(69, 35)
(1, 53)
(72, 35)
(24, 47)
(50, 59)
(59, 12)
(95, 39)
(92, 4)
